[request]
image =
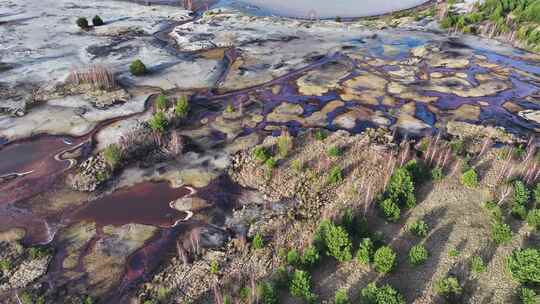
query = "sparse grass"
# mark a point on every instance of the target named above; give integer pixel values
(284, 144)
(453, 253)
(112, 155)
(478, 265)
(437, 174)
(335, 152)
(335, 176)
(257, 242)
(320, 135)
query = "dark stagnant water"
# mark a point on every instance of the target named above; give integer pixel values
(145, 203)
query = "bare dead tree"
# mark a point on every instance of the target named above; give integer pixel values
(505, 192)
(181, 252)
(195, 240)
(97, 76)
(486, 145)
(216, 290)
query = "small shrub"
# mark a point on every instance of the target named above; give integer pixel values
(390, 210)
(341, 297)
(297, 165)
(261, 154)
(418, 255)
(38, 252)
(229, 109)
(137, 68)
(335, 152)
(214, 267)
(457, 146)
(320, 135)
(293, 257)
(310, 257)
(528, 296)
(158, 123)
(257, 242)
(418, 170)
(267, 293)
(519, 211)
(161, 102)
(26, 298)
(401, 188)
(284, 144)
(494, 210)
(448, 288)
(536, 192)
(469, 179)
(453, 253)
(419, 228)
(524, 265)
(437, 174)
(365, 251)
(335, 176)
(5, 265)
(244, 294)
(521, 193)
(300, 286)
(501, 233)
(372, 294)
(533, 219)
(181, 109)
(97, 21)
(112, 155)
(384, 259)
(82, 23)
(281, 278)
(271, 163)
(477, 265)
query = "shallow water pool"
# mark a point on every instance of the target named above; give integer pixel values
(332, 8)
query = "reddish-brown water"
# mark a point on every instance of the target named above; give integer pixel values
(145, 203)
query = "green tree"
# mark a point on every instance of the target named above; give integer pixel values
(334, 240)
(533, 219)
(528, 296)
(181, 108)
(336, 175)
(82, 23)
(300, 286)
(524, 265)
(97, 21)
(267, 293)
(161, 102)
(137, 68)
(158, 123)
(365, 251)
(401, 188)
(418, 255)
(293, 258)
(381, 295)
(390, 210)
(501, 232)
(477, 265)
(384, 259)
(310, 257)
(419, 228)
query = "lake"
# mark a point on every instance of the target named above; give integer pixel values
(333, 8)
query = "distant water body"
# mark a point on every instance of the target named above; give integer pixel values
(332, 8)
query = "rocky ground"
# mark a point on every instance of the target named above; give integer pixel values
(250, 81)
